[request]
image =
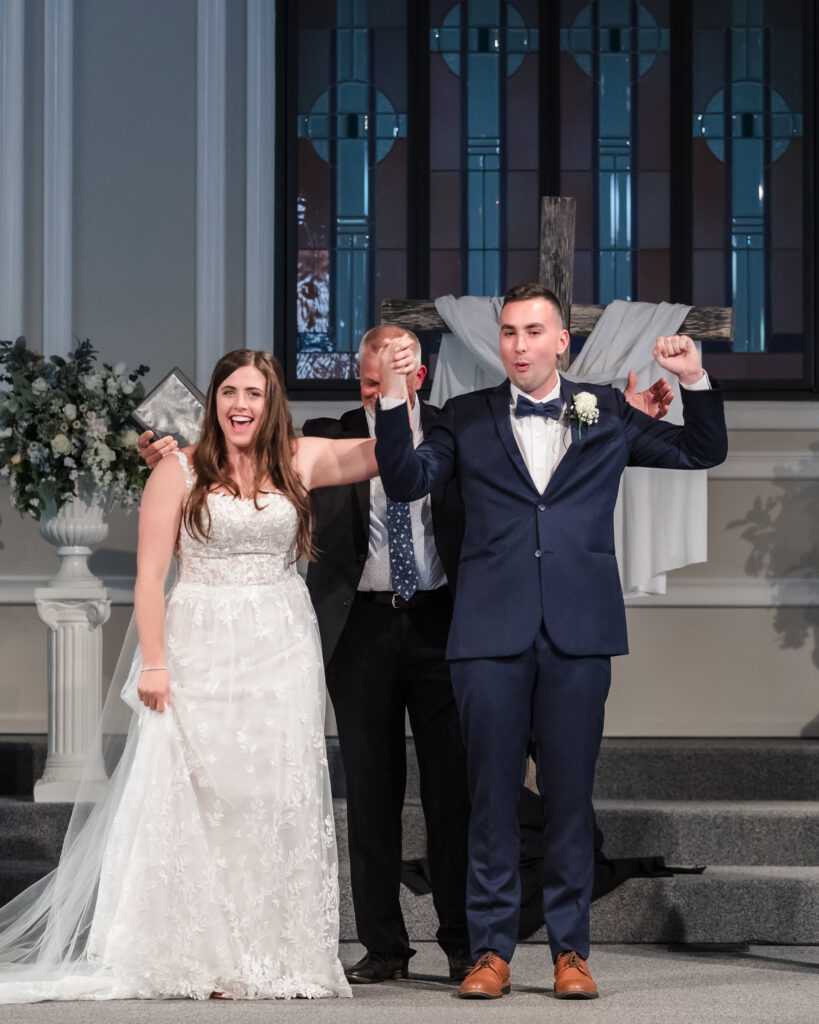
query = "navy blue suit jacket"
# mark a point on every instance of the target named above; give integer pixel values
(529, 557)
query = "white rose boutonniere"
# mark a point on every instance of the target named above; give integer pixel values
(584, 410)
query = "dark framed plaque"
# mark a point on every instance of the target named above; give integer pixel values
(175, 406)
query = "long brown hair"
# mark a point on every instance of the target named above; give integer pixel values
(273, 448)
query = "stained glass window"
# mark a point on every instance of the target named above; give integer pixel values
(425, 133)
(351, 178)
(748, 182)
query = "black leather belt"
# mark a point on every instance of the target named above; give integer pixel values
(419, 599)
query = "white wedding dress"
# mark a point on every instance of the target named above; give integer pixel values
(218, 870)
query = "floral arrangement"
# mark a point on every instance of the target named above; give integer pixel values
(584, 409)
(64, 425)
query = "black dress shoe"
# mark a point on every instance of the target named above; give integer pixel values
(461, 963)
(375, 967)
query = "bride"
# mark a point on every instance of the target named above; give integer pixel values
(209, 865)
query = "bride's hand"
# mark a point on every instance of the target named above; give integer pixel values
(154, 689)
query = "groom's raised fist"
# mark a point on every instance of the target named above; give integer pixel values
(679, 355)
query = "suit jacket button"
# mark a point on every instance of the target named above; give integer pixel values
(537, 554)
(347, 602)
(541, 508)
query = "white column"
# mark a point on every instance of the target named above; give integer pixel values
(260, 188)
(74, 605)
(210, 188)
(12, 25)
(58, 124)
(74, 691)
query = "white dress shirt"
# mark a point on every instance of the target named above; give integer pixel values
(542, 441)
(376, 575)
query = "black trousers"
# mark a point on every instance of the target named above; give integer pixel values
(388, 662)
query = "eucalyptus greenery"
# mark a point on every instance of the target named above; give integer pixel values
(64, 426)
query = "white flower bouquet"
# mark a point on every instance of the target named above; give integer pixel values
(64, 423)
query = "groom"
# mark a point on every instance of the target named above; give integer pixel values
(539, 610)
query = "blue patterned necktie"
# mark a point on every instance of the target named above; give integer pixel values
(549, 410)
(403, 568)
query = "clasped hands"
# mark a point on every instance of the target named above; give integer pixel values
(678, 354)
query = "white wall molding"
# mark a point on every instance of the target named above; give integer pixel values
(685, 593)
(12, 95)
(58, 178)
(733, 593)
(210, 187)
(20, 589)
(260, 172)
(771, 415)
(787, 465)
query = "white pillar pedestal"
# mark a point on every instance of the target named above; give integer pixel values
(74, 687)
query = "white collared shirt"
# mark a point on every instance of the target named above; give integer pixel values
(376, 575)
(542, 441)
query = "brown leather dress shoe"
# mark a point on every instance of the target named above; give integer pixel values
(572, 978)
(488, 979)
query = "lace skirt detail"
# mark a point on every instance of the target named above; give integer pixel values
(221, 870)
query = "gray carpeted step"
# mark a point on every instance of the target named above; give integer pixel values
(30, 831)
(627, 769)
(723, 905)
(711, 832)
(16, 875)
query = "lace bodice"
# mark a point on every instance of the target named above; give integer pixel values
(248, 546)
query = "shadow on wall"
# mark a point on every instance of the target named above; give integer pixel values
(782, 549)
(112, 562)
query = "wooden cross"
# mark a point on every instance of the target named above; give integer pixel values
(556, 271)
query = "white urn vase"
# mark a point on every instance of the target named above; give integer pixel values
(73, 529)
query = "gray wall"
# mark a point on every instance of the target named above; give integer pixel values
(734, 647)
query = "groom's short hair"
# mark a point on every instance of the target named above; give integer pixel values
(533, 290)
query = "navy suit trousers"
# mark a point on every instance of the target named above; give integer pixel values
(553, 703)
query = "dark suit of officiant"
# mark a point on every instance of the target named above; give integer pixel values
(382, 661)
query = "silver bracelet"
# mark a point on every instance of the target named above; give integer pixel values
(154, 668)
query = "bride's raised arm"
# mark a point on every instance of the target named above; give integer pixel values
(327, 462)
(159, 516)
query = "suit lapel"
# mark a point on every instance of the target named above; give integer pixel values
(499, 399)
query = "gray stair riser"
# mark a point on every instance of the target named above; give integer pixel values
(669, 769)
(30, 831)
(708, 769)
(722, 905)
(22, 759)
(699, 833)
(17, 875)
(627, 769)
(712, 833)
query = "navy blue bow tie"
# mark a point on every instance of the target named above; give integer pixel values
(551, 410)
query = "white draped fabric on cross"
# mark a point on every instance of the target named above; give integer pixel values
(661, 515)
